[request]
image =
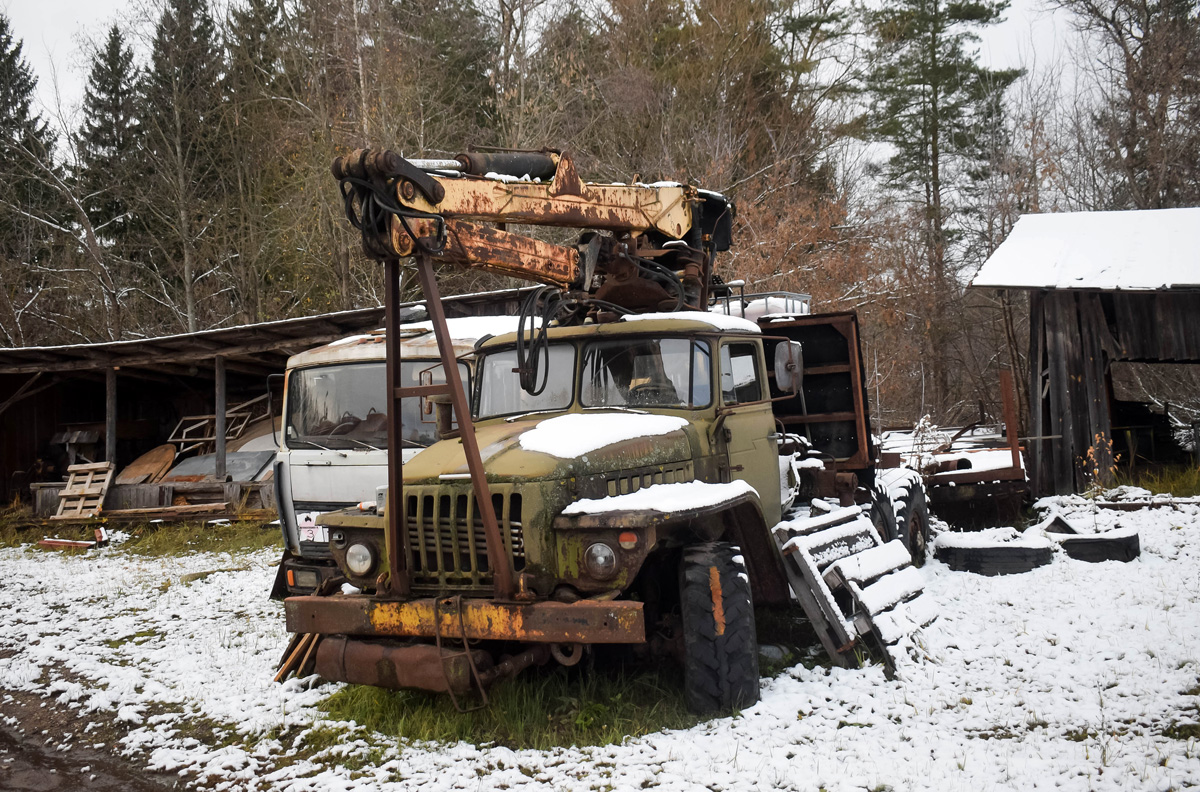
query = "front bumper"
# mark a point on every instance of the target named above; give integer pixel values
(586, 621)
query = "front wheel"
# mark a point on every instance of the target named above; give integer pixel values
(720, 645)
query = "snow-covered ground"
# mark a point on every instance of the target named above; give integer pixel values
(1070, 677)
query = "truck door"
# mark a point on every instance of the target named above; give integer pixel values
(748, 429)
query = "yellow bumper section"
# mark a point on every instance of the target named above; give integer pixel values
(586, 621)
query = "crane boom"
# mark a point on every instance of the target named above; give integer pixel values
(655, 253)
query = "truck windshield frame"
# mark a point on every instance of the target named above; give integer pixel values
(647, 372)
(343, 406)
(499, 392)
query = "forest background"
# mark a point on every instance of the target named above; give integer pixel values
(874, 161)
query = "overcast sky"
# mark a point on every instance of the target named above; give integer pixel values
(54, 31)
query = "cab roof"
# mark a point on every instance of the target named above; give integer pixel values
(683, 322)
(417, 341)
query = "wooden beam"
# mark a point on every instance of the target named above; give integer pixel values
(220, 430)
(110, 416)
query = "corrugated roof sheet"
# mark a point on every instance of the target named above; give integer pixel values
(1108, 251)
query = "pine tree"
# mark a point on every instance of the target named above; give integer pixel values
(26, 146)
(23, 134)
(110, 137)
(931, 100)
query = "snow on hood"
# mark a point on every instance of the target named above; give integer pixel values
(576, 434)
(664, 498)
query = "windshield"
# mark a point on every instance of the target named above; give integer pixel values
(667, 372)
(345, 406)
(500, 391)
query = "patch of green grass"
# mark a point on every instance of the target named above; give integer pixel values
(541, 709)
(136, 638)
(1182, 731)
(183, 538)
(13, 518)
(1179, 480)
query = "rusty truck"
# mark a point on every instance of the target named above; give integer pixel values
(635, 470)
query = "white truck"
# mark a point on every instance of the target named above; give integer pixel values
(333, 449)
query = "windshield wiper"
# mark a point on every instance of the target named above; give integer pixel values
(361, 443)
(522, 416)
(323, 448)
(620, 407)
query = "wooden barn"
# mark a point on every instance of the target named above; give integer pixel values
(1104, 288)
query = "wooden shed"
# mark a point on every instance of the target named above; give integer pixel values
(1104, 287)
(113, 401)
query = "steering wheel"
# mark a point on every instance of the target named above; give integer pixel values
(347, 420)
(653, 393)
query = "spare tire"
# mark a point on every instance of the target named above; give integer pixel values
(995, 560)
(1102, 547)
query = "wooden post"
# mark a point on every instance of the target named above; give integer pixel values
(219, 448)
(1037, 456)
(110, 415)
(1007, 399)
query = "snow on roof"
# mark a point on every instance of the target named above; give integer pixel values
(418, 340)
(718, 321)
(576, 434)
(475, 327)
(1144, 250)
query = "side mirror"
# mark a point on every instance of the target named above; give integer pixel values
(789, 366)
(271, 406)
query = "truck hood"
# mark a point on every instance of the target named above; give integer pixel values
(560, 446)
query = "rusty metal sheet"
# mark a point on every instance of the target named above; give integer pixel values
(600, 206)
(469, 244)
(419, 666)
(586, 621)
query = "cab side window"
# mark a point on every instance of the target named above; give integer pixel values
(739, 374)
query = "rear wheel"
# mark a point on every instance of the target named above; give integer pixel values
(883, 514)
(912, 521)
(720, 645)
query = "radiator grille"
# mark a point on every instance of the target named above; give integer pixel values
(446, 542)
(622, 482)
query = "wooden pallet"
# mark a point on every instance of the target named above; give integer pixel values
(853, 587)
(84, 494)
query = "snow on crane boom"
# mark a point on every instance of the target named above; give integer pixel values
(654, 251)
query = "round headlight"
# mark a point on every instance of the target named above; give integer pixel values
(360, 559)
(600, 560)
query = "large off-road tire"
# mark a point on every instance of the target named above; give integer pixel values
(720, 653)
(912, 521)
(882, 513)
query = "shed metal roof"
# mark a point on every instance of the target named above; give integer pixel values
(1149, 250)
(264, 345)
(254, 349)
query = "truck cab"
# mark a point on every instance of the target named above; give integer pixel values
(333, 450)
(653, 399)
